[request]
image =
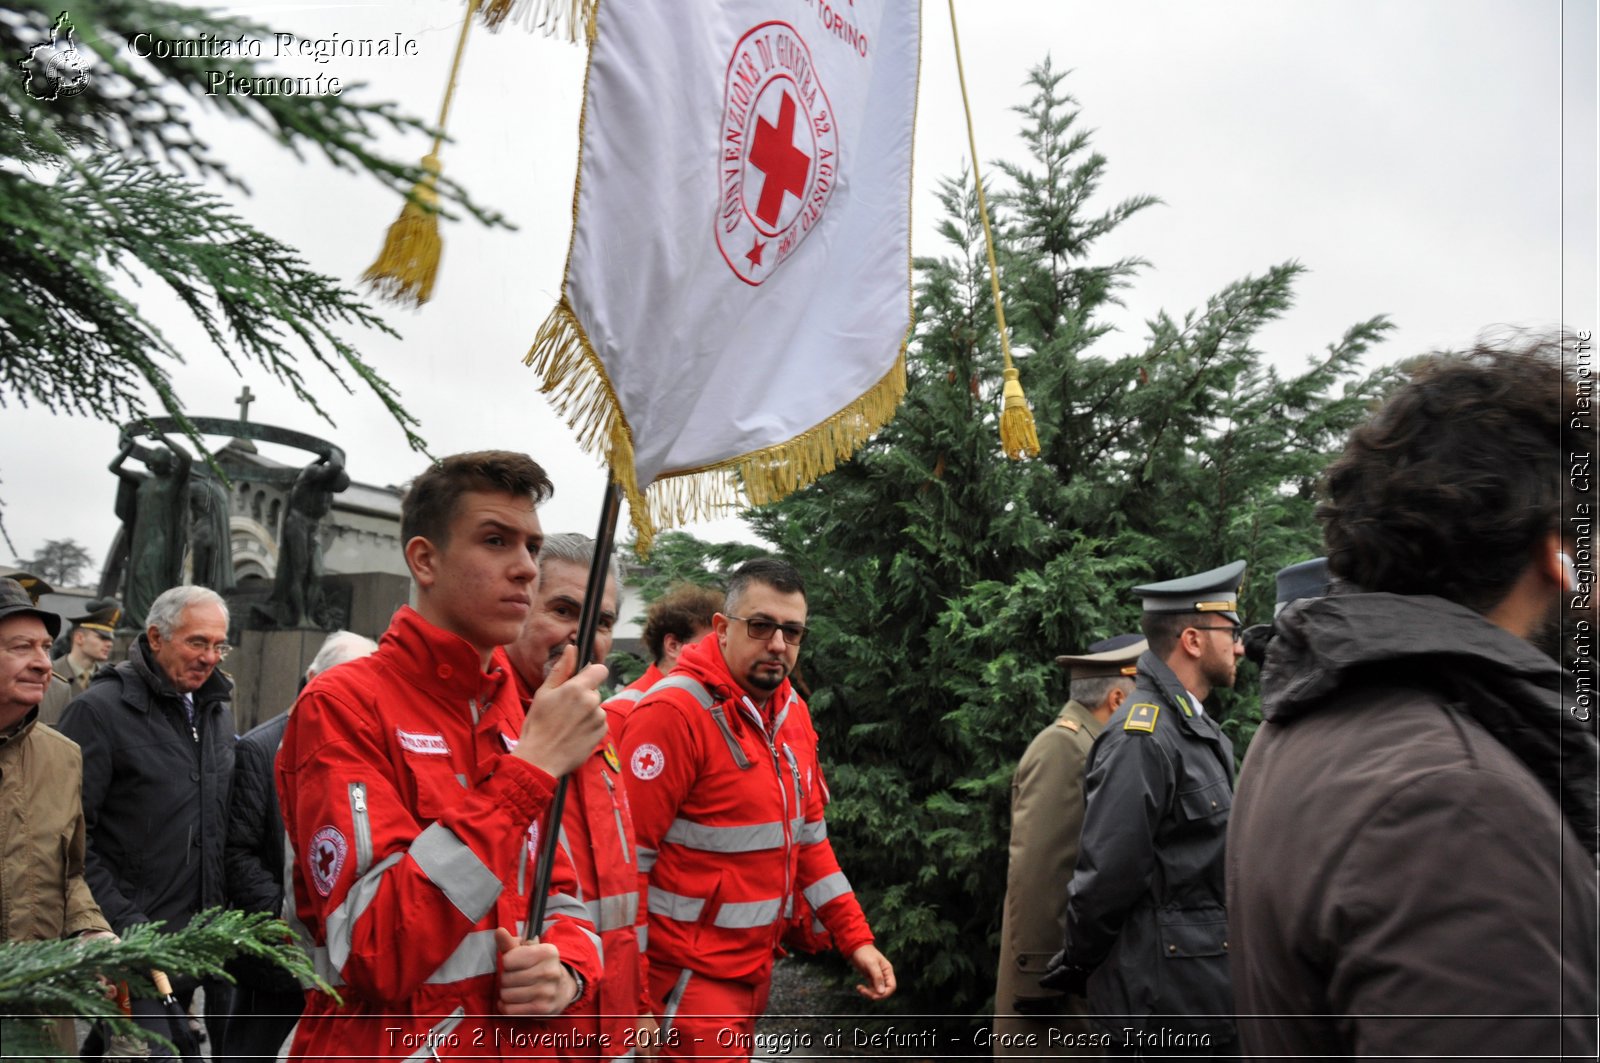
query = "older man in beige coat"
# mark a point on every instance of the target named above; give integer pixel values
(1046, 816)
(43, 894)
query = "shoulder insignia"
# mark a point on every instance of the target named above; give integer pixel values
(1071, 725)
(1142, 717)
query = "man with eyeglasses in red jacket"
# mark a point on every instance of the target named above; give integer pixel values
(728, 808)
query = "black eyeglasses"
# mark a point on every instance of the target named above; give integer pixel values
(1238, 632)
(761, 629)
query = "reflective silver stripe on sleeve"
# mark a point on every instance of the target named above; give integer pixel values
(457, 871)
(747, 839)
(624, 695)
(826, 889)
(341, 922)
(743, 915)
(673, 906)
(324, 966)
(614, 912)
(477, 955)
(594, 939)
(812, 832)
(565, 904)
(644, 937)
(647, 857)
(437, 1036)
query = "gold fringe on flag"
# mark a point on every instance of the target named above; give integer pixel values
(570, 19)
(581, 392)
(407, 265)
(1018, 437)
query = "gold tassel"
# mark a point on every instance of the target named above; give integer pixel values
(406, 267)
(409, 261)
(574, 378)
(1018, 437)
(571, 19)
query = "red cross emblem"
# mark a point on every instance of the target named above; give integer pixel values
(647, 761)
(327, 851)
(778, 161)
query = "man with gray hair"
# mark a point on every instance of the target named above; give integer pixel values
(552, 625)
(1046, 818)
(597, 827)
(157, 738)
(267, 1001)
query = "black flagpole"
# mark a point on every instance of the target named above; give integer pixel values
(588, 623)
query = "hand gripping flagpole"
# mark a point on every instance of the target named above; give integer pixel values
(588, 623)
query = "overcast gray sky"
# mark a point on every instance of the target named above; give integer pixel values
(1433, 160)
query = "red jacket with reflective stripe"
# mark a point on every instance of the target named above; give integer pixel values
(597, 835)
(620, 704)
(410, 831)
(728, 808)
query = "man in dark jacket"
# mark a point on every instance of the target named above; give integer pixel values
(1411, 856)
(1146, 926)
(157, 739)
(266, 1000)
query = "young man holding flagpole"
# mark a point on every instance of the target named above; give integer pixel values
(412, 784)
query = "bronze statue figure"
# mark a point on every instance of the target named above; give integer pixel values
(154, 509)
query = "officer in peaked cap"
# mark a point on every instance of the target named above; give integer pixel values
(1303, 579)
(1146, 927)
(91, 637)
(1307, 579)
(1046, 817)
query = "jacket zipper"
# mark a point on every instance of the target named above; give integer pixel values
(358, 814)
(783, 798)
(794, 770)
(616, 814)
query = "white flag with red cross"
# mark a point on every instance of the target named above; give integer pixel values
(737, 296)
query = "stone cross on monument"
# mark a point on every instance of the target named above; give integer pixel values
(243, 402)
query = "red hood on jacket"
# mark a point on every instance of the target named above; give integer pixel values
(704, 661)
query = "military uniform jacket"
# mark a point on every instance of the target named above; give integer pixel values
(1046, 816)
(1146, 912)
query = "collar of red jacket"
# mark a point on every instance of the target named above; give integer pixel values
(704, 662)
(437, 660)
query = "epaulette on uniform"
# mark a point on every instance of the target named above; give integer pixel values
(1142, 717)
(1071, 725)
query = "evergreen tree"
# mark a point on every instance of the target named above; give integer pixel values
(68, 976)
(944, 578)
(108, 186)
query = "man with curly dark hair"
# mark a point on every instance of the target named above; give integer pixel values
(1411, 858)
